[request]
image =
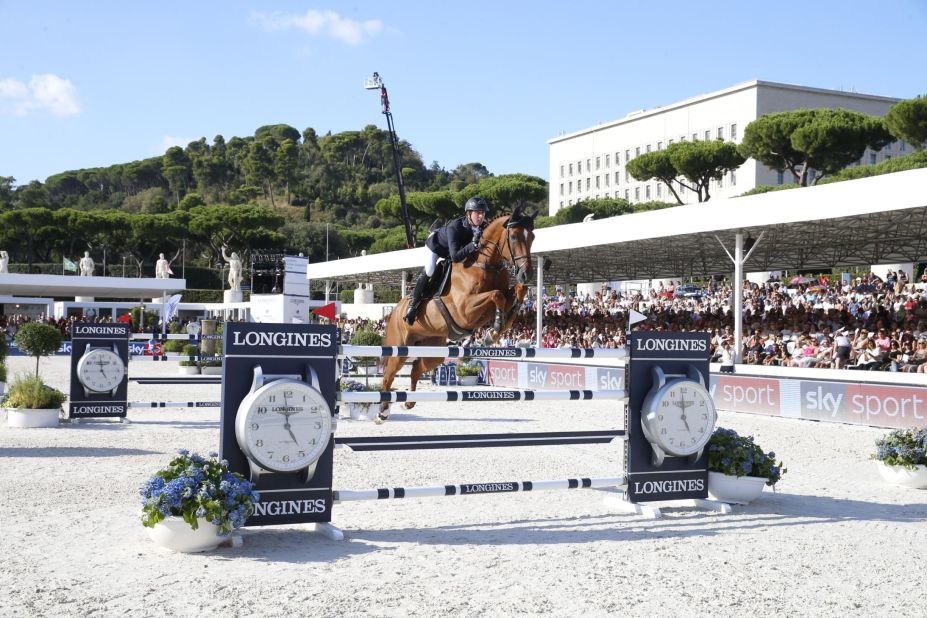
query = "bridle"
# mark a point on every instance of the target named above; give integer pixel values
(512, 266)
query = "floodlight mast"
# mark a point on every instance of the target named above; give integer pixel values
(376, 83)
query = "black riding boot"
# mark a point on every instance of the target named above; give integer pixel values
(415, 299)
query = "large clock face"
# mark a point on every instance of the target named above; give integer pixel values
(680, 417)
(283, 426)
(100, 370)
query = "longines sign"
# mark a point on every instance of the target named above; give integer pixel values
(268, 339)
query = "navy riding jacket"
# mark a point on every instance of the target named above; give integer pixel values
(453, 241)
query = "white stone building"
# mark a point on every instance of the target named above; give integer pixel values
(590, 163)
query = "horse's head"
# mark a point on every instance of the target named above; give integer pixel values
(518, 233)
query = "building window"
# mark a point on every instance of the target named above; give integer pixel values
(588, 165)
(579, 167)
(682, 138)
(637, 194)
(617, 179)
(733, 132)
(707, 135)
(627, 194)
(561, 171)
(627, 156)
(626, 176)
(659, 145)
(561, 203)
(648, 147)
(608, 160)
(733, 178)
(887, 157)
(607, 178)
(598, 161)
(670, 143)
(570, 202)
(901, 146)
(659, 190)
(561, 188)
(695, 137)
(570, 187)
(720, 132)
(588, 183)
(872, 158)
(647, 192)
(596, 182)
(780, 177)
(637, 152)
(571, 169)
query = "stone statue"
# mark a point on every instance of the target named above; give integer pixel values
(86, 265)
(234, 270)
(162, 268)
(4, 262)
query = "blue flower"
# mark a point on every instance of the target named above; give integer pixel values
(182, 451)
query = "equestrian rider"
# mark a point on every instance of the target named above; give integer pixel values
(458, 240)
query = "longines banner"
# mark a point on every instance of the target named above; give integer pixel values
(876, 405)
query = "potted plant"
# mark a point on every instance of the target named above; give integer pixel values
(212, 368)
(367, 336)
(193, 503)
(361, 411)
(901, 456)
(29, 402)
(468, 374)
(189, 367)
(738, 467)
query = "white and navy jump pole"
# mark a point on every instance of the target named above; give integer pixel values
(174, 404)
(477, 352)
(482, 396)
(470, 489)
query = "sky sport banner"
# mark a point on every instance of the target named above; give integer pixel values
(877, 405)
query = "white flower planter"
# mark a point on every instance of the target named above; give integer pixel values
(211, 371)
(899, 475)
(191, 370)
(26, 418)
(734, 489)
(468, 380)
(177, 535)
(362, 411)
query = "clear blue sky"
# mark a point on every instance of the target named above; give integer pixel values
(87, 84)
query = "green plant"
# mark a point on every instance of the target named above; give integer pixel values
(218, 352)
(192, 487)
(189, 350)
(468, 370)
(38, 340)
(2, 372)
(735, 455)
(173, 345)
(28, 391)
(902, 447)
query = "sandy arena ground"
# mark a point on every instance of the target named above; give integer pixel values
(834, 540)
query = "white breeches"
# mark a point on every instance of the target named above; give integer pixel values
(431, 263)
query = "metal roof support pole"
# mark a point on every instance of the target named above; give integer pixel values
(737, 301)
(539, 304)
(404, 287)
(328, 289)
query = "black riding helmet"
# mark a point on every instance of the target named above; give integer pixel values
(476, 203)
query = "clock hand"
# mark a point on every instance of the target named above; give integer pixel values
(287, 427)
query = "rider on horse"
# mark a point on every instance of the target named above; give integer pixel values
(458, 241)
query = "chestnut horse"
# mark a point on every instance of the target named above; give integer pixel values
(481, 290)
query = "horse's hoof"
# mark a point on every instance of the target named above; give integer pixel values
(379, 419)
(410, 405)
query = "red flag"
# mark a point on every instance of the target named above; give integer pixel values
(124, 318)
(326, 311)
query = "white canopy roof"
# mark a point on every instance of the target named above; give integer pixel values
(875, 220)
(48, 286)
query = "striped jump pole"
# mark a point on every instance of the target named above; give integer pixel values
(178, 380)
(171, 337)
(481, 395)
(414, 443)
(175, 357)
(477, 352)
(471, 489)
(175, 404)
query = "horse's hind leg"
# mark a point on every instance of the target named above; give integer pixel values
(390, 369)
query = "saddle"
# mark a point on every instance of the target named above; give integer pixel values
(438, 284)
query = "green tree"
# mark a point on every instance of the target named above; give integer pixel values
(701, 162)
(907, 120)
(507, 191)
(175, 165)
(7, 192)
(30, 228)
(825, 140)
(285, 161)
(38, 340)
(655, 165)
(259, 167)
